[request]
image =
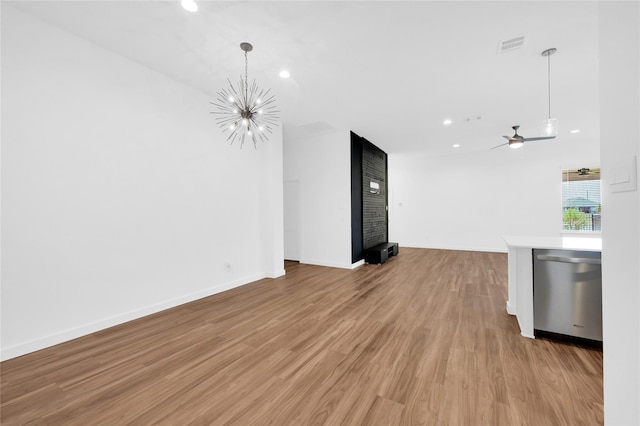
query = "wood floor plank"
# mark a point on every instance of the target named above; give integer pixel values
(423, 339)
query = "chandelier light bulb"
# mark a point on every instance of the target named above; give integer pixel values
(259, 111)
(258, 101)
(261, 128)
(233, 126)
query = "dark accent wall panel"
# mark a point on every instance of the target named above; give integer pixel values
(356, 198)
(374, 201)
(369, 218)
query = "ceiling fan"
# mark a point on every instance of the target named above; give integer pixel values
(516, 141)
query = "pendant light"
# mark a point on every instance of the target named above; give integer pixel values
(549, 125)
(248, 113)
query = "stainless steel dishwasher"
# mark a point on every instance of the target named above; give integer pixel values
(567, 293)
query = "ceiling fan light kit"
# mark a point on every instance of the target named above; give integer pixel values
(516, 141)
(515, 144)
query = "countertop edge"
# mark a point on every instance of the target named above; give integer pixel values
(554, 242)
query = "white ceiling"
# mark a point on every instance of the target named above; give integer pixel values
(390, 71)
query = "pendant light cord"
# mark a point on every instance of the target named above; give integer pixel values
(549, 81)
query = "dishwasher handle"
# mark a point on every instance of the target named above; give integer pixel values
(566, 259)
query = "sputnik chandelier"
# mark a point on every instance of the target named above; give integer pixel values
(246, 112)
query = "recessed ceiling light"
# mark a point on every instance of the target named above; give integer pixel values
(285, 74)
(447, 122)
(456, 145)
(575, 131)
(189, 5)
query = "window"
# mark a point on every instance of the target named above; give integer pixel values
(581, 205)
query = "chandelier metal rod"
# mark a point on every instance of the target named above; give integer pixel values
(246, 78)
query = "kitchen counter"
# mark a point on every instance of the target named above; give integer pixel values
(520, 302)
(560, 242)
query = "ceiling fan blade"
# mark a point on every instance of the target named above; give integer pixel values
(540, 138)
(500, 145)
(506, 137)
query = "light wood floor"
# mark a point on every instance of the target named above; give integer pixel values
(423, 339)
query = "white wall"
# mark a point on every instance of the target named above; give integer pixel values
(120, 196)
(321, 164)
(272, 211)
(292, 220)
(620, 129)
(467, 201)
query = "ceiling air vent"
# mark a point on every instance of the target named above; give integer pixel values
(510, 45)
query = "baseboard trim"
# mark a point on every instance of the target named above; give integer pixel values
(456, 248)
(357, 264)
(527, 335)
(276, 274)
(76, 332)
(327, 264)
